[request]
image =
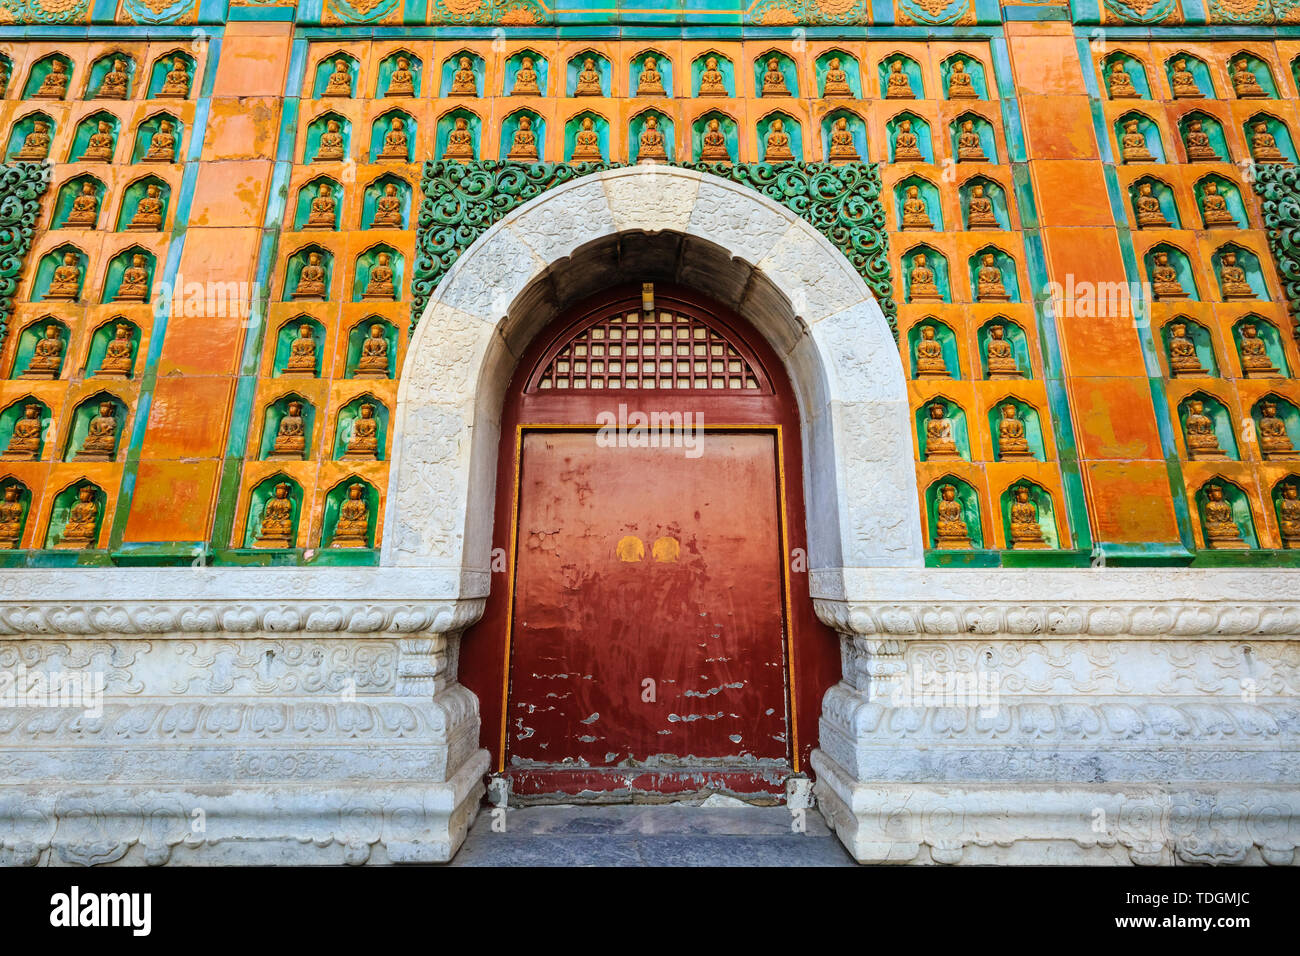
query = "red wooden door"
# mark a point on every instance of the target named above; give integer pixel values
(649, 626)
(649, 617)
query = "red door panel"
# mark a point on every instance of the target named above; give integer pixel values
(648, 622)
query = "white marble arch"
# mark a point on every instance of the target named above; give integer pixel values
(665, 223)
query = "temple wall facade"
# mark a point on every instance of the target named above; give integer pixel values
(1030, 269)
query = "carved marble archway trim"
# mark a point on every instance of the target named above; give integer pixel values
(817, 312)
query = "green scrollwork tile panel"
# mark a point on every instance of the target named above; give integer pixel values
(1278, 187)
(21, 188)
(463, 200)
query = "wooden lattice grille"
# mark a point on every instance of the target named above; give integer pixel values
(641, 350)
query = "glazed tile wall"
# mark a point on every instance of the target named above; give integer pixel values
(192, 460)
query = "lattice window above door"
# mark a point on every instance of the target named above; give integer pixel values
(663, 349)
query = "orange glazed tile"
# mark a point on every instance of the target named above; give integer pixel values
(1047, 65)
(1058, 127)
(201, 345)
(1071, 193)
(188, 418)
(215, 256)
(230, 194)
(172, 501)
(1130, 501)
(252, 65)
(242, 129)
(1113, 418)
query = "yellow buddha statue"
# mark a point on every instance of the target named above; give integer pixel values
(84, 213)
(1183, 82)
(1121, 84)
(1255, 361)
(54, 86)
(395, 144)
(1214, 208)
(651, 143)
(999, 355)
(463, 82)
(1288, 515)
(951, 531)
(588, 80)
(712, 82)
(117, 359)
(1245, 83)
(1263, 146)
(960, 86)
(47, 355)
(774, 80)
(99, 147)
(898, 86)
(323, 209)
(916, 215)
(979, 210)
(1147, 207)
(1274, 440)
(843, 149)
(276, 528)
(134, 286)
(776, 145)
(970, 149)
(379, 283)
(177, 82)
(11, 518)
(460, 142)
(116, 82)
(401, 82)
(650, 82)
(523, 145)
(65, 283)
(1220, 527)
(1012, 442)
(36, 144)
(1133, 144)
(526, 79)
(388, 209)
(940, 442)
(25, 439)
(713, 144)
(1202, 441)
(340, 81)
(363, 443)
(352, 529)
(148, 215)
(586, 143)
(311, 280)
(1232, 278)
(100, 443)
(302, 353)
(373, 361)
(836, 80)
(79, 530)
(331, 143)
(1183, 359)
(1026, 531)
(162, 145)
(988, 281)
(1197, 142)
(921, 285)
(906, 145)
(1164, 279)
(929, 356)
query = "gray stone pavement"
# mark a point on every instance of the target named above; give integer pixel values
(633, 835)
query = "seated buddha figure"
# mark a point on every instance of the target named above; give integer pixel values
(999, 355)
(1202, 442)
(352, 530)
(1133, 144)
(1164, 278)
(373, 362)
(1149, 213)
(65, 283)
(586, 144)
(290, 434)
(1263, 146)
(922, 286)
(939, 432)
(1184, 82)
(906, 145)
(36, 144)
(843, 149)
(364, 442)
(960, 86)
(712, 82)
(379, 284)
(148, 211)
(177, 81)
(115, 82)
(916, 215)
(84, 213)
(969, 147)
(1214, 209)
(776, 145)
(774, 80)
(11, 518)
(99, 147)
(302, 353)
(1274, 442)
(650, 82)
(713, 145)
(898, 86)
(276, 529)
(340, 81)
(463, 82)
(311, 281)
(1026, 532)
(460, 142)
(588, 80)
(988, 281)
(402, 81)
(117, 359)
(1245, 83)
(323, 209)
(134, 286)
(395, 144)
(47, 356)
(1232, 278)
(79, 530)
(100, 443)
(929, 356)
(836, 81)
(1288, 515)
(523, 145)
(526, 79)
(651, 143)
(1255, 361)
(1121, 84)
(1220, 526)
(55, 84)
(1197, 141)
(25, 439)
(388, 209)
(331, 143)
(1183, 359)
(1012, 442)
(162, 145)
(951, 530)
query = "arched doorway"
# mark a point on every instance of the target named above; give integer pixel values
(648, 639)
